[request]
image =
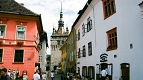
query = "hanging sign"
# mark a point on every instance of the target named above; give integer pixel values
(103, 57)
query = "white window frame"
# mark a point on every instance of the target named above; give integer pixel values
(40, 58)
(21, 31)
(2, 36)
(83, 29)
(89, 24)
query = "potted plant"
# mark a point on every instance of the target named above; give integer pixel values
(20, 43)
(109, 47)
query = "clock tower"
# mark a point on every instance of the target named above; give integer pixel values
(58, 38)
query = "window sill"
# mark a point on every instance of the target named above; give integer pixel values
(90, 55)
(111, 49)
(109, 15)
(1, 62)
(17, 63)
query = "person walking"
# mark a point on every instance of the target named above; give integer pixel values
(52, 75)
(4, 75)
(44, 76)
(36, 76)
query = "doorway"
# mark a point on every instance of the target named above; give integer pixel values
(100, 67)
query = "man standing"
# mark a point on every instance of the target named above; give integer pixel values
(36, 76)
(103, 74)
(4, 75)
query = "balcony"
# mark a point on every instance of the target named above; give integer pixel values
(15, 42)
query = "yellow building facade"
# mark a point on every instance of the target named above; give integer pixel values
(63, 58)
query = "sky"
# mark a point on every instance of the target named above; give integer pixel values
(50, 13)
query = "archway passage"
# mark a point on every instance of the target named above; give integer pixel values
(55, 67)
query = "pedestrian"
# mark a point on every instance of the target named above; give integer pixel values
(107, 77)
(24, 75)
(36, 76)
(103, 73)
(68, 76)
(9, 72)
(17, 73)
(44, 76)
(14, 75)
(4, 75)
(52, 75)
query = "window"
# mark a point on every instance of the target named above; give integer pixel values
(84, 71)
(83, 29)
(1, 54)
(108, 7)
(91, 72)
(89, 24)
(112, 39)
(125, 69)
(84, 51)
(18, 56)
(20, 32)
(79, 53)
(89, 48)
(40, 58)
(58, 42)
(2, 31)
(78, 70)
(79, 34)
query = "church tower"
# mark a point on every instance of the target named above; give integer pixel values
(58, 38)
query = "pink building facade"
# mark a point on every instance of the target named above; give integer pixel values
(19, 38)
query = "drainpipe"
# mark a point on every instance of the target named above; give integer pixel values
(93, 18)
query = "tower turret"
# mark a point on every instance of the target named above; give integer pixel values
(61, 22)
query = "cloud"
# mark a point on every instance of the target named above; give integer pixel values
(50, 12)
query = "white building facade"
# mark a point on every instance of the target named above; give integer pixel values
(43, 52)
(112, 38)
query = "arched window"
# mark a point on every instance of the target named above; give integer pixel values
(125, 70)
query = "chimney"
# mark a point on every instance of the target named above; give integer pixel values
(22, 4)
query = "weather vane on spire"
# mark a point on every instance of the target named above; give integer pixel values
(61, 6)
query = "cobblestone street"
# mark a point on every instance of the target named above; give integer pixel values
(58, 77)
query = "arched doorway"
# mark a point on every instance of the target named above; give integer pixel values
(55, 67)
